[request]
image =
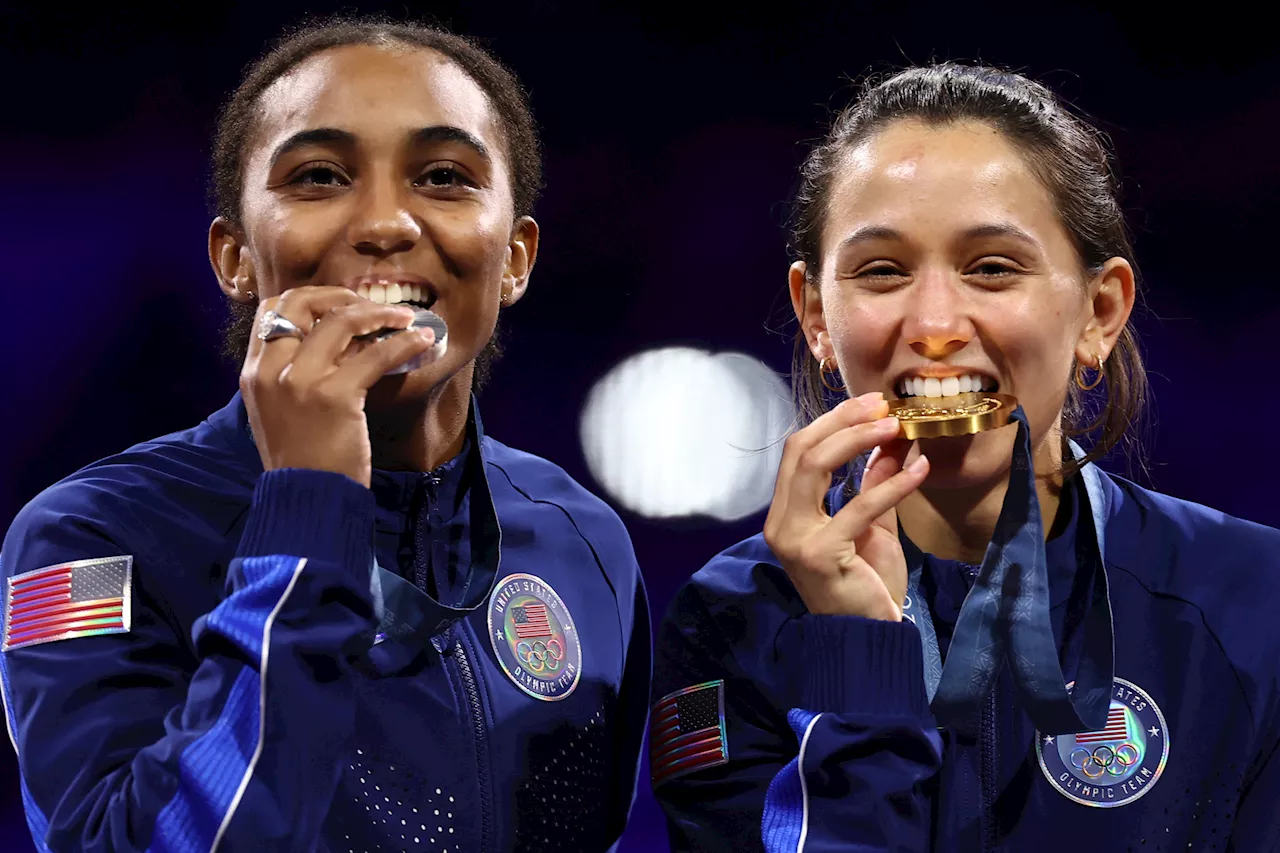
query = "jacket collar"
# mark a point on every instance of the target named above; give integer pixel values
(407, 616)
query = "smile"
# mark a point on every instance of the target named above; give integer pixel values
(933, 386)
(394, 289)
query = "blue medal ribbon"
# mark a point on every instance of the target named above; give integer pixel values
(1006, 614)
(408, 618)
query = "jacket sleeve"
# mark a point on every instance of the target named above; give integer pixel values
(830, 742)
(633, 713)
(127, 743)
(1257, 822)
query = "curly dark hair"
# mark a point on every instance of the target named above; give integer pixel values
(236, 124)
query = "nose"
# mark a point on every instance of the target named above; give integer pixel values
(382, 224)
(937, 321)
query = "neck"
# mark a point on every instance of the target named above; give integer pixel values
(408, 436)
(958, 524)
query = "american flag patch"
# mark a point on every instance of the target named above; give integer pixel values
(1117, 728)
(79, 599)
(531, 621)
(687, 732)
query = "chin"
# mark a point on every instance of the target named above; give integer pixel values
(415, 388)
(968, 461)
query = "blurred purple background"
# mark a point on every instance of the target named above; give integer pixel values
(672, 142)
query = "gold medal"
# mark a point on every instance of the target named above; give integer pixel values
(962, 414)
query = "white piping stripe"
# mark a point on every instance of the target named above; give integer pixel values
(8, 718)
(262, 707)
(804, 788)
(10, 724)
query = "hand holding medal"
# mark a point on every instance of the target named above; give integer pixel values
(851, 563)
(317, 352)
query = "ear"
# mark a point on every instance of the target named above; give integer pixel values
(522, 253)
(806, 301)
(231, 261)
(1111, 296)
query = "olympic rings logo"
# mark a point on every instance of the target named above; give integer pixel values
(1105, 760)
(539, 656)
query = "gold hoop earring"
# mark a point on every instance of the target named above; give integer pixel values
(1097, 380)
(823, 370)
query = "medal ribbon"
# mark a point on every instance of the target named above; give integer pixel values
(407, 617)
(1006, 613)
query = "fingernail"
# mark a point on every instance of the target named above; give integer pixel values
(888, 424)
(871, 397)
(871, 458)
(919, 465)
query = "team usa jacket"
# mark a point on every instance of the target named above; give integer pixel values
(199, 655)
(781, 730)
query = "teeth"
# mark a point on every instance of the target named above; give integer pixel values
(917, 386)
(391, 293)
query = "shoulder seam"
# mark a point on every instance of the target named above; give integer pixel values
(1235, 672)
(573, 521)
(723, 640)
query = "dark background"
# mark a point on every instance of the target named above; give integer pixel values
(673, 135)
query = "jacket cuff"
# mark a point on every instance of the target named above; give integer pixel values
(870, 666)
(321, 515)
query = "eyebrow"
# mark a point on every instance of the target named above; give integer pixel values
(421, 136)
(449, 133)
(869, 233)
(316, 136)
(1001, 229)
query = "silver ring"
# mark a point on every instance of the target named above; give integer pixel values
(271, 326)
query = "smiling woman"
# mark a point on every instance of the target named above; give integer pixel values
(505, 120)
(336, 606)
(977, 636)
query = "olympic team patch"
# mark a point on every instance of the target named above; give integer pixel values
(1116, 764)
(534, 637)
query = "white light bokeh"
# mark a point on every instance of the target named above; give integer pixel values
(680, 431)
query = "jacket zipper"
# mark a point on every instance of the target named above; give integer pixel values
(987, 769)
(463, 663)
(425, 539)
(482, 745)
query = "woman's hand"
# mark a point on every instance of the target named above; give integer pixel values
(306, 397)
(852, 563)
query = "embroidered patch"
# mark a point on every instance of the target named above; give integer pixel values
(78, 599)
(534, 637)
(1116, 764)
(687, 732)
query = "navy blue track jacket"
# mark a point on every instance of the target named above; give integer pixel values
(826, 742)
(295, 662)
